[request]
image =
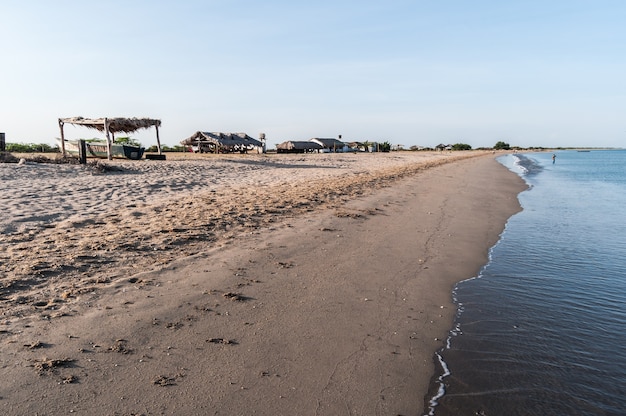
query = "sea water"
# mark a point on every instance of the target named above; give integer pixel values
(542, 329)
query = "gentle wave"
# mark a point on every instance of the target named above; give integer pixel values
(541, 329)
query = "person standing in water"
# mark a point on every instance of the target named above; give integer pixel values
(553, 157)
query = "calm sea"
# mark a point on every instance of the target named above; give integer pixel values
(542, 330)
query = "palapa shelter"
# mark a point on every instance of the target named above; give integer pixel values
(207, 142)
(292, 146)
(110, 126)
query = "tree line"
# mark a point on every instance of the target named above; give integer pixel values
(46, 148)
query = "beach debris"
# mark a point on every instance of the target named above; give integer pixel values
(204, 308)
(69, 379)
(241, 271)
(222, 341)
(344, 214)
(121, 347)
(70, 293)
(46, 365)
(98, 167)
(235, 296)
(174, 325)
(36, 345)
(164, 381)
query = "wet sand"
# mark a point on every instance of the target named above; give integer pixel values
(283, 284)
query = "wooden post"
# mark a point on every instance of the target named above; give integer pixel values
(264, 146)
(106, 130)
(156, 126)
(82, 151)
(62, 137)
(3, 145)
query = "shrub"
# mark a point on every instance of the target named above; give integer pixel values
(384, 147)
(31, 148)
(461, 146)
(128, 141)
(501, 146)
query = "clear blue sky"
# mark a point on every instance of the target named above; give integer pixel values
(530, 73)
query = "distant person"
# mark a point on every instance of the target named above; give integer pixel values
(553, 157)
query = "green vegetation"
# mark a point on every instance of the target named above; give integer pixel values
(31, 148)
(502, 146)
(128, 141)
(384, 147)
(381, 147)
(461, 146)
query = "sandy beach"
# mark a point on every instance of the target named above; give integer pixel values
(235, 285)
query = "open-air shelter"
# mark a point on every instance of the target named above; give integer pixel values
(294, 146)
(215, 142)
(111, 126)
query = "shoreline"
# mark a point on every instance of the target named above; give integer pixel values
(334, 307)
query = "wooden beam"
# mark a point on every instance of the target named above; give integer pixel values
(157, 137)
(106, 130)
(82, 151)
(62, 137)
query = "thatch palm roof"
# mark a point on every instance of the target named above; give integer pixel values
(115, 124)
(221, 139)
(299, 145)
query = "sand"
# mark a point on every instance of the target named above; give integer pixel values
(255, 284)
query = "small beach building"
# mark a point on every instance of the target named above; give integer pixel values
(292, 146)
(330, 145)
(110, 126)
(208, 142)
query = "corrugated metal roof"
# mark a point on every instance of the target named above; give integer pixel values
(329, 143)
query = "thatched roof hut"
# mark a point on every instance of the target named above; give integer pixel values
(110, 126)
(115, 124)
(291, 146)
(221, 142)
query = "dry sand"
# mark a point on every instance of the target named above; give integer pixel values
(269, 285)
